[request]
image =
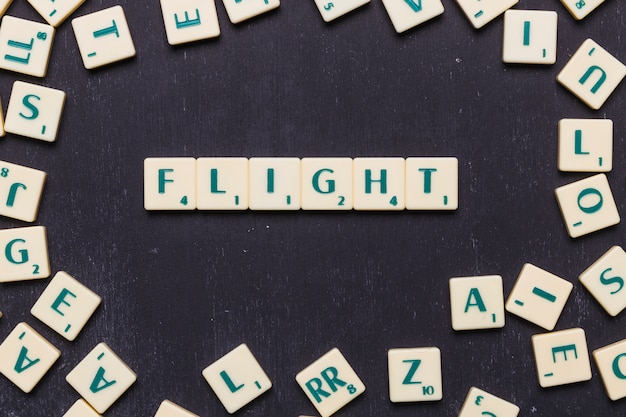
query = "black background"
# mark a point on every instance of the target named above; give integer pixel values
(182, 289)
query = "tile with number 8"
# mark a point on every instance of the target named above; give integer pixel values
(20, 191)
(25, 46)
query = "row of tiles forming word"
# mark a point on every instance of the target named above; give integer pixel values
(307, 183)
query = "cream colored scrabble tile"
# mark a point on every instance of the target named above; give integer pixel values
(561, 357)
(81, 409)
(581, 8)
(2, 131)
(330, 383)
(477, 302)
(101, 378)
(432, 184)
(222, 183)
(274, 183)
(4, 5)
(592, 74)
(20, 191)
(379, 183)
(481, 403)
(237, 378)
(170, 183)
(406, 14)
(327, 184)
(24, 254)
(25, 46)
(55, 12)
(481, 12)
(611, 362)
(66, 305)
(103, 37)
(585, 145)
(34, 111)
(26, 357)
(604, 279)
(587, 205)
(414, 374)
(240, 10)
(332, 9)
(538, 296)
(529, 37)
(189, 20)
(169, 409)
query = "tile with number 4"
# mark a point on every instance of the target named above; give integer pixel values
(330, 383)
(240, 10)
(561, 357)
(25, 46)
(54, 12)
(592, 74)
(379, 183)
(237, 378)
(103, 37)
(479, 403)
(406, 14)
(20, 191)
(414, 374)
(587, 205)
(101, 378)
(24, 254)
(170, 183)
(34, 111)
(26, 357)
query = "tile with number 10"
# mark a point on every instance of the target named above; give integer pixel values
(414, 374)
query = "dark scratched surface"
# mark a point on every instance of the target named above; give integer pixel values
(182, 289)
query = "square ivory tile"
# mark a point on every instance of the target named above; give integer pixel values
(612, 368)
(331, 10)
(481, 403)
(327, 184)
(274, 183)
(20, 191)
(529, 37)
(222, 183)
(432, 183)
(26, 357)
(585, 145)
(414, 374)
(170, 409)
(477, 302)
(379, 183)
(561, 357)
(170, 183)
(237, 378)
(240, 10)
(24, 254)
(604, 279)
(4, 5)
(81, 409)
(25, 46)
(481, 12)
(330, 383)
(189, 20)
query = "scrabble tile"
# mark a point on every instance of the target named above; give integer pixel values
(24, 254)
(2, 131)
(4, 5)
(103, 37)
(237, 378)
(274, 183)
(240, 10)
(592, 74)
(379, 183)
(561, 357)
(169, 409)
(612, 367)
(222, 183)
(34, 111)
(55, 12)
(189, 20)
(170, 183)
(529, 37)
(481, 12)
(327, 184)
(604, 280)
(26, 357)
(432, 184)
(587, 205)
(25, 46)
(330, 383)
(477, 302)
(581, 8)
(66, 305)
(585, 145)
(331, 10)
(81, 409)
(481, 403)
(415, 374)
(538, 296)
(20, 191)
(406, 14)
(101, 378)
